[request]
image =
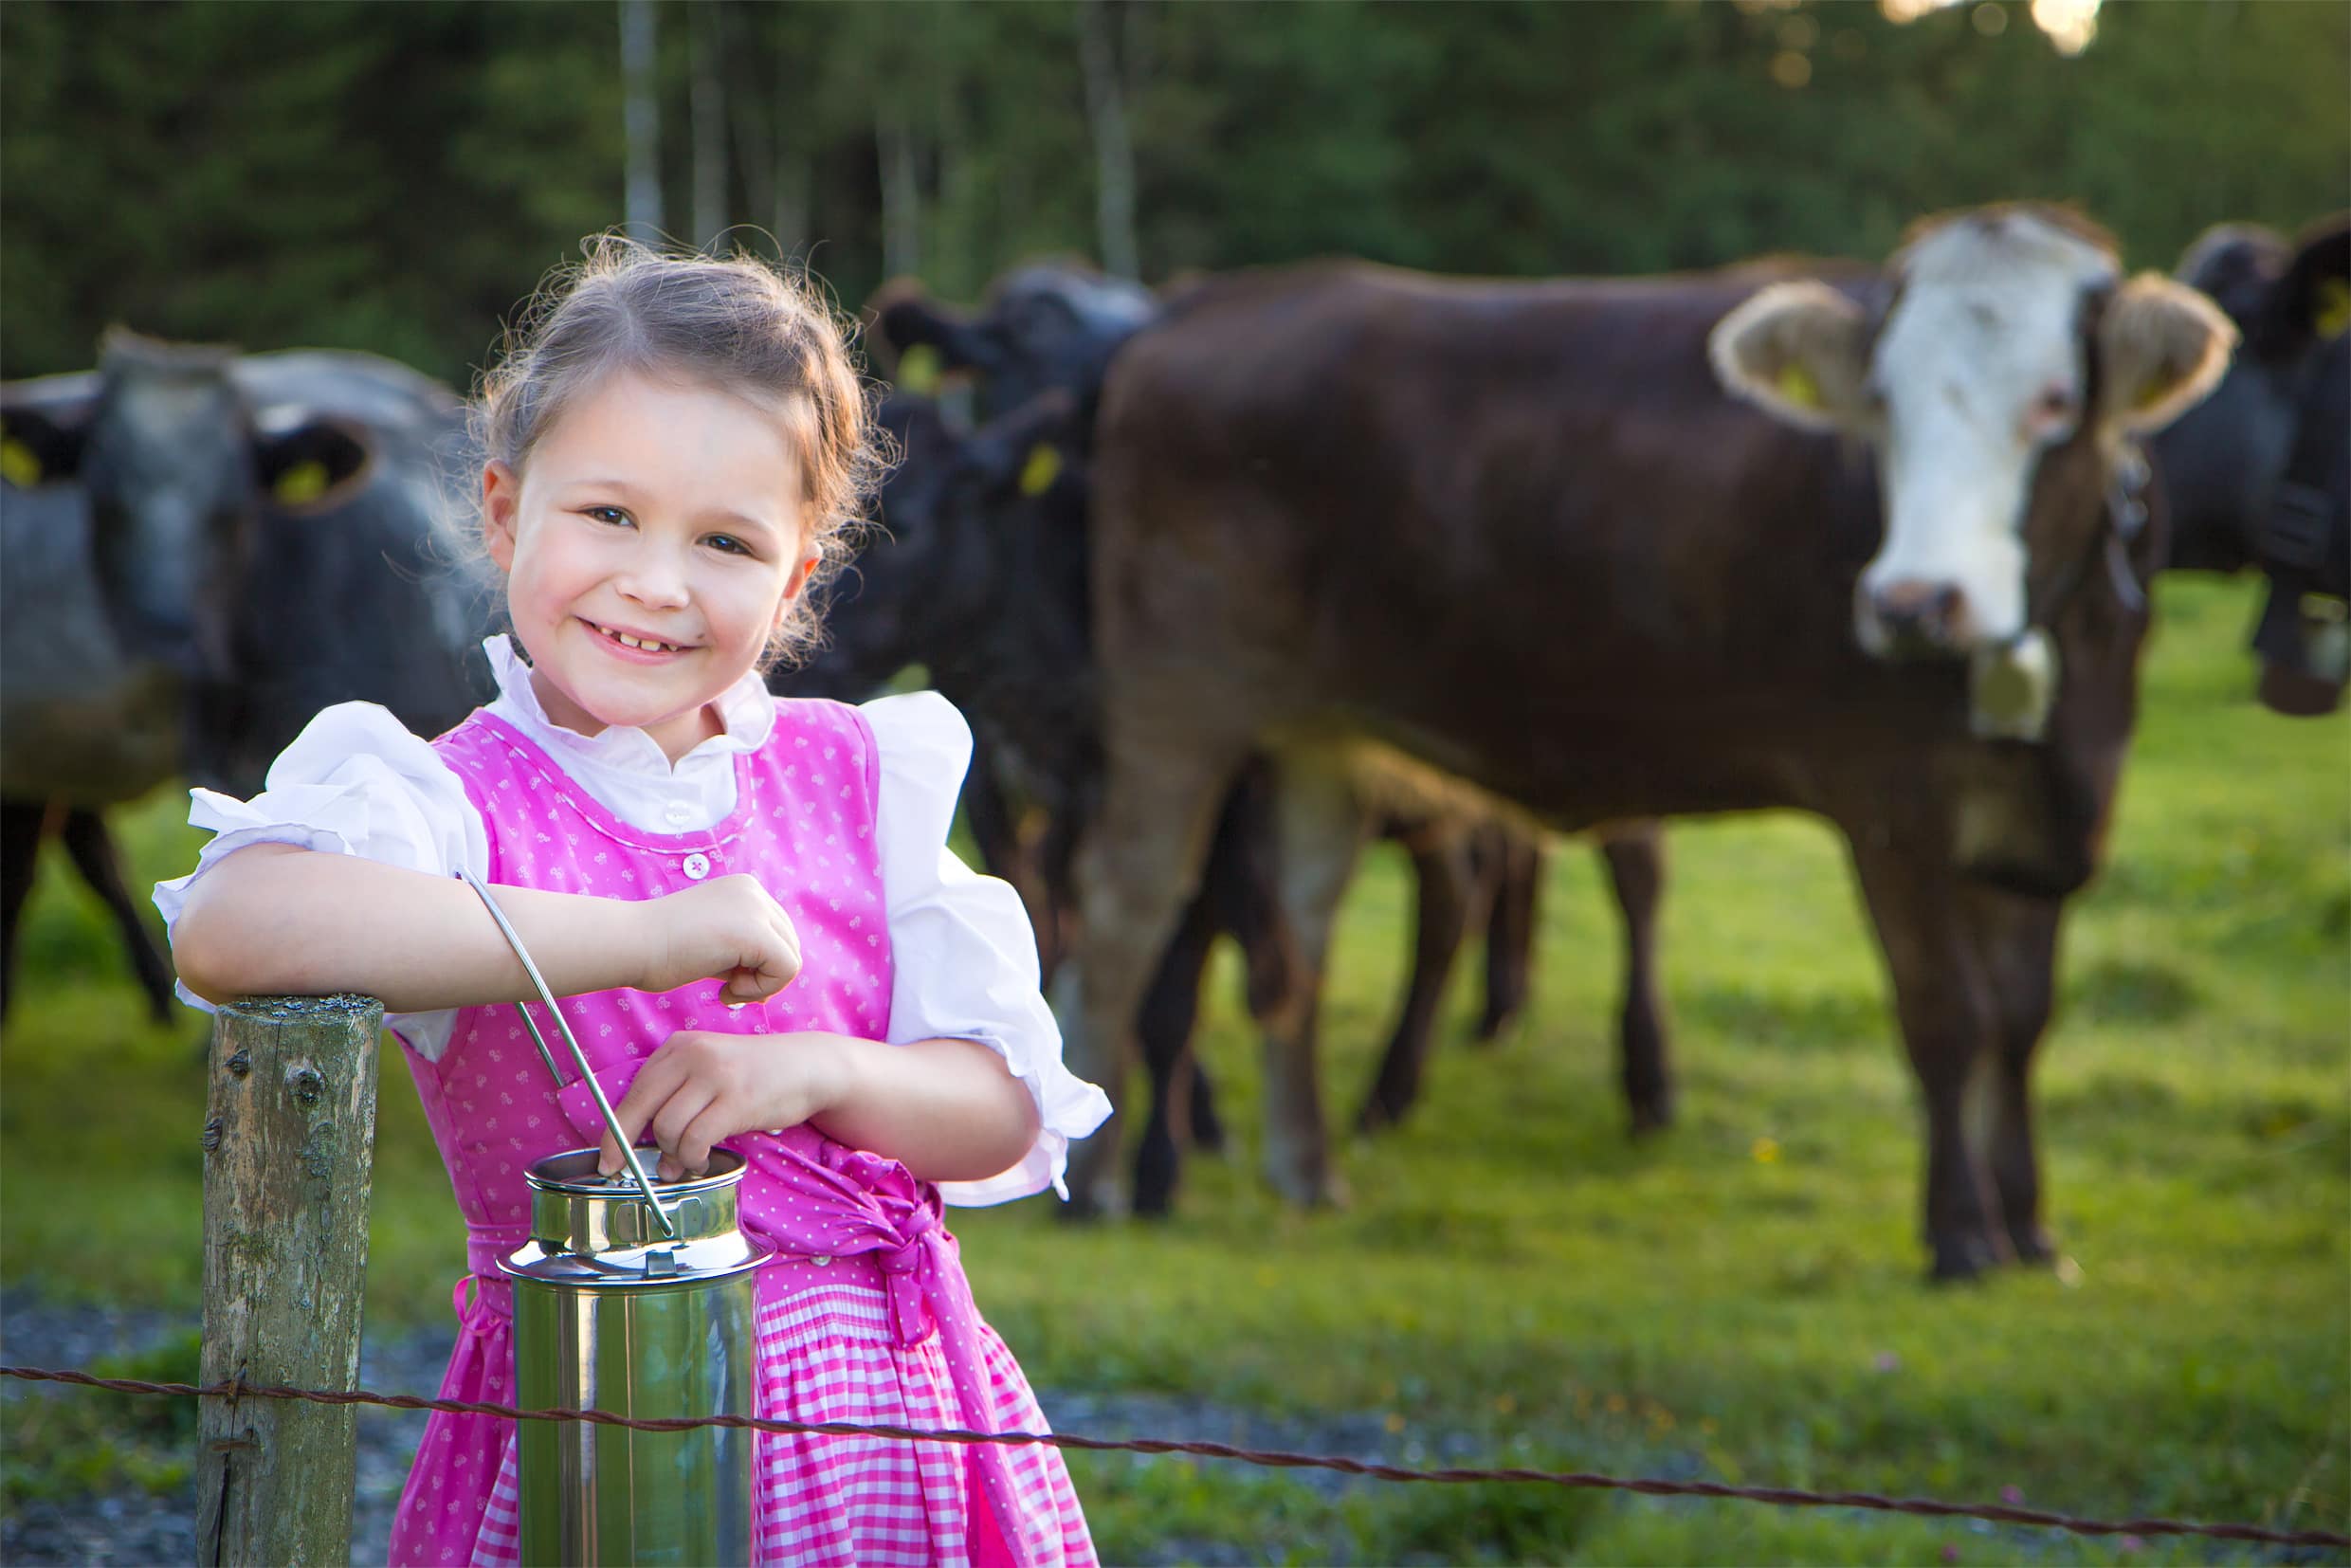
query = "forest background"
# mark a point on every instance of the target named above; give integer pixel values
(396, 178)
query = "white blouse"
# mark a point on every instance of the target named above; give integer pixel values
(964, 961)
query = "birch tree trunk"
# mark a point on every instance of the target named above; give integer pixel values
(702, 24)
(1114, 153)
(901, 198)
(641, 116)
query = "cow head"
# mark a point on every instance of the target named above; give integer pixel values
(179, 467)
(2001, 381)
(2221, 462)
(948, 563)
(1046, 326)
(2253, 475)
(2304, 636)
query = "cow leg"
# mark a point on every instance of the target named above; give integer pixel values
(1510, 928)
(995, 830)
(1170, 1010)
(1943, 1000)
(1135, 871)
(1636, 868)
(2016, 939)
(1242, 887)
(1321, 833)
(20, 854)
(1237, 895)
(93, 851)
(1441, 858)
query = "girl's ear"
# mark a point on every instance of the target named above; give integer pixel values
(502, 500)
(792, 584)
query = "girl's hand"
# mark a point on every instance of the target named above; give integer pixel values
(701, 1088)
(729, 928)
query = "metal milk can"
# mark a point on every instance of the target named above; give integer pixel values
(639, 1298)
(611, 1314)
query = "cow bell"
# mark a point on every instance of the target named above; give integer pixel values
(2010, 688)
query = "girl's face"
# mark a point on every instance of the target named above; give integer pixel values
(652, 546)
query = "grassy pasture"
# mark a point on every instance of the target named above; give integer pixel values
(1516, 1283)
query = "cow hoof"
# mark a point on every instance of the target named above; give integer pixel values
(1490, 1027)
(1959, 1258)
(2032, 1246)
(1088, 1204)
(1300, 1191)
(1377, 1115)
(1647, 1121)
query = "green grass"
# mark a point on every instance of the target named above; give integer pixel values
(1740, 1299)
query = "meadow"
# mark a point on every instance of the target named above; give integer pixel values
(1515, 1281)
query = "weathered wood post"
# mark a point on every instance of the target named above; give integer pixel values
(289, 1142)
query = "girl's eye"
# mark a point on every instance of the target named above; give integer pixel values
(728, 544)
(613, 514)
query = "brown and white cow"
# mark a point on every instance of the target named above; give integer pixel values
(1518, 532)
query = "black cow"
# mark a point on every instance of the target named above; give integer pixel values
(1517, 530)
(2256, 473)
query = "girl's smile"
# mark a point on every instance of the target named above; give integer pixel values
(652, 545)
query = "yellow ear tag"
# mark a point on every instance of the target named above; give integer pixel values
(1797, 386)
(1043, 467)
(919, 370)
(304, 481)
(2334, 312)
(19, 464)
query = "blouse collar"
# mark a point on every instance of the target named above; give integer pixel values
(746, 709)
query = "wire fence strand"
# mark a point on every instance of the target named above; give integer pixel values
(1786, 1497)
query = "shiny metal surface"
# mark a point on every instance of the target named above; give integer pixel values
(609, 1316)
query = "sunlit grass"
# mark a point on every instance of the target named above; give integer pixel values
(1740, 1299)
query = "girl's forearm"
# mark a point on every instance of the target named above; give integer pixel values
(272, 918)
(949, 1110)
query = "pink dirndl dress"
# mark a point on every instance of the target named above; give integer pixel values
(865, 1315)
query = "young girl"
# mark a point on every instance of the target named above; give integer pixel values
(747, 902)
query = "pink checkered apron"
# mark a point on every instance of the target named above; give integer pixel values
(865, 1315)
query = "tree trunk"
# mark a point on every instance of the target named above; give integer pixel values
(901, 198)
(641, 115)
(289, 1146)
(1114, 153)
(709, 119)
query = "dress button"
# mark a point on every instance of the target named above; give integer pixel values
(697, 867)
(820, 1262)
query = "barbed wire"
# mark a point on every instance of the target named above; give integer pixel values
(1789, 1497)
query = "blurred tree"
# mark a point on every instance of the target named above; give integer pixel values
(397, 177)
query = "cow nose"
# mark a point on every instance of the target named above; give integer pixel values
(1917, 616)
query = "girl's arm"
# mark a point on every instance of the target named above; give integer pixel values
(948, 1109)
(272, 919)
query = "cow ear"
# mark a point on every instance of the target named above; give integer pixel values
(39, 445)
(2161, 347)
(1800, 352)
(916, 342)
(309, 465)
(2312, 300)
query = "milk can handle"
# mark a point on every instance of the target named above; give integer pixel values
(628, 1152)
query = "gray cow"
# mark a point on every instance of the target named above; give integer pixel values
(207, 550)
(82, 725)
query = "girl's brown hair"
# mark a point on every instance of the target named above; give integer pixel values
(733, 323)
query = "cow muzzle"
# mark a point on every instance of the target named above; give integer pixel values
(1914, 618)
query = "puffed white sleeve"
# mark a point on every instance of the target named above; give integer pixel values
(963, 957)
(355, 782)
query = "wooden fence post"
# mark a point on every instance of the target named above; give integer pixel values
(289, 1142)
